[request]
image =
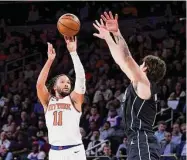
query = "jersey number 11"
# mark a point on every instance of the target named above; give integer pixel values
(57, 121)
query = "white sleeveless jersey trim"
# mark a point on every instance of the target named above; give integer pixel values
(62, 121)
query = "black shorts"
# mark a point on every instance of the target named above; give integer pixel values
(143, 147)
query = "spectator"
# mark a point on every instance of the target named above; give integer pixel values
(161, 131)
(183, 128)
(177, 93)
(122, 149)
(181, 150)
(42, 130)
(4, 114)
(35, 150)
(33, 14)
(95, 116)
(84, 11)
(168, 42)
(15, 108)
(24, 117)
(18, 147)
(95, 141)
(103, 91)
(106, 131)
(6, 127)
(176, 135)
(4, 144)
(164, 92)
(107, 152)
(91, 129)
(36, 154)
(168, 147)
(28, 73)
(113, 118)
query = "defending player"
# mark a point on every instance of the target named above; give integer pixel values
(63, 109)
(139, 103)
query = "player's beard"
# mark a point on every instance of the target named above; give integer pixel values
(62, 93)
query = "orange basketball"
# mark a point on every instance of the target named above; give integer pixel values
(68, 24)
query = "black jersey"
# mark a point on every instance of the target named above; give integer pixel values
(139, 114)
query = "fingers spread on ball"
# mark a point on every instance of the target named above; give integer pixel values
(66, 39)
(72, 39)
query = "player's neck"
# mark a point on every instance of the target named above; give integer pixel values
(59, 96)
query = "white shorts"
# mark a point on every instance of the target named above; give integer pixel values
(74, 153)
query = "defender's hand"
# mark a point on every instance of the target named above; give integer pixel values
(103, 32)
(51, 51)
(111, 22)
(71, 43)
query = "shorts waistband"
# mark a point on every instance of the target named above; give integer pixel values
(63, 147)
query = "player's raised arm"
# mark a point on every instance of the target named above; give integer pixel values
(77, 94)
(42, 91)
(120, 52)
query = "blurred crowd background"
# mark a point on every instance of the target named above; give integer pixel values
(148, 27)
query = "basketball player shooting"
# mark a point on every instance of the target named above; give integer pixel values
(63, 108)
(139, 102)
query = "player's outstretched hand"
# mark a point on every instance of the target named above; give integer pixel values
(111, 21)
(51, 51)
(103, 32)
(71, 43)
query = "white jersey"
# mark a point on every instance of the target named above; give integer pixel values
(62, 121)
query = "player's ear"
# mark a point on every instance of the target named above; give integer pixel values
(144, 68)
(55, 87)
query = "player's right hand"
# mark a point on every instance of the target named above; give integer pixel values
(51, 51)
(111, 22)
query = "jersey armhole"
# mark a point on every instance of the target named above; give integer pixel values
(136, 95)
(151, 99)
(45, 108)
(73, 104)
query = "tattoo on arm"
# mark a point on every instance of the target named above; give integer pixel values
(119, 40)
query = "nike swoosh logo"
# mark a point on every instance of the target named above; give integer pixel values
(76, 151)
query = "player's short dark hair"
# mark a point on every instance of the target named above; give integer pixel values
(156, 68)
(162, 122)
(52, 82)
(106, 146)
(176, 124)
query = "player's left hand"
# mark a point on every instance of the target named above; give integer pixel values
(71, 43)
(103, 32)
(111, 21)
